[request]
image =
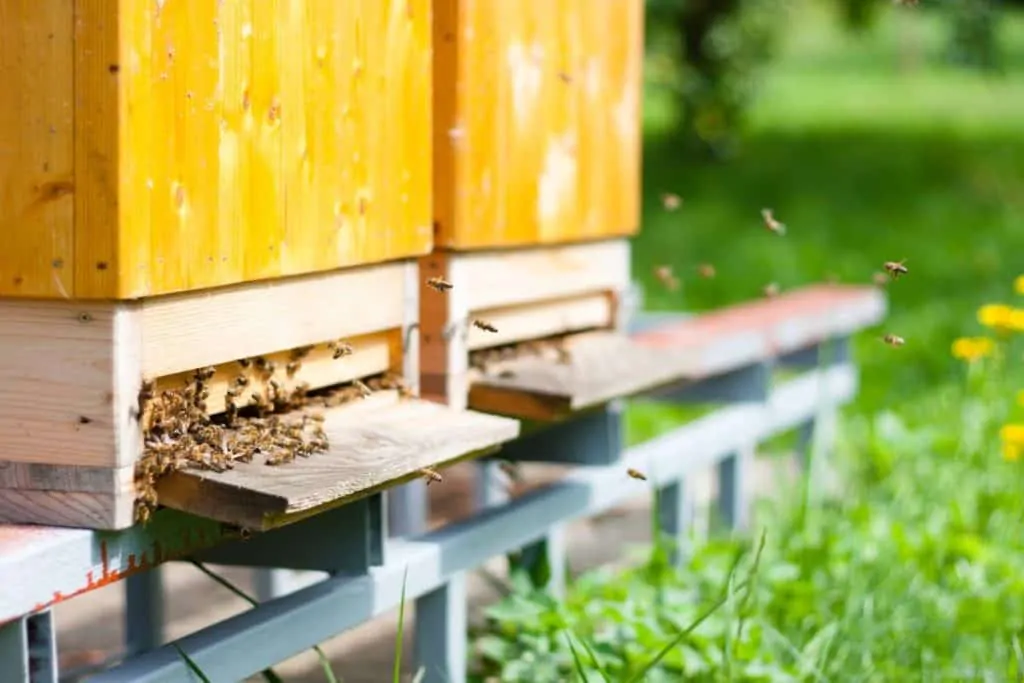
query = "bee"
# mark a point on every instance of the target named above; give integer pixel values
(241, 381)
(300, 352)
(431, 475)
(563, 356)
(340, 349)
(895, 268)
(772, 224)
(292, 367)
(666, 277)
(706, 270)
(364, 390)
(671, 201)
(245, 362)
(146, 394)
(636, 474)
(439, 284)
(771, 290)
(203, 375)
(893, 340)
(506, 373)
(510, 469)
(485, 326)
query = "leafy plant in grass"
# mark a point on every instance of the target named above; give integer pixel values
(915, 572)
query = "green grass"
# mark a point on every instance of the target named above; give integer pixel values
(916, 573)
(864, 163)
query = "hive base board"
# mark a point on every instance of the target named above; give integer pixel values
(373, 445)
(522, 294)
(71, 373)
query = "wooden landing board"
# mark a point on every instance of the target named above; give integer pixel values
(602, 366)
(372, 446)
(738, 335)
(608, 365)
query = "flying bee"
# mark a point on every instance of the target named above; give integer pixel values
(671, 201)
(771, 290)
(340, 349)
(895, 268)
(706, 270)
(893, 340)
(439, 284)
(666, 277)
(772, 224)
(636, 474)
(431, 475)
(485, 326)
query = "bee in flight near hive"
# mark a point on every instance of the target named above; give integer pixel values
(431, 475)
(706, 270)
(667, 277)
(636, 474)
(895, 268)
(485, 326)
(439, 284)
(893, 340)
(771, 223)
(671, 201)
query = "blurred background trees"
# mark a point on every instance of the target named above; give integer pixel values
(723, 46)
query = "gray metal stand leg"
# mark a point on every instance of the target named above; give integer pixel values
(407, 509)
(271, 583)
(441, 632)
(733, 473)
(675, 517)
(144, 611)
(817, 439)
(491, 485)
(28, 650)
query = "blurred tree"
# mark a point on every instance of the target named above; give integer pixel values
(722, 45)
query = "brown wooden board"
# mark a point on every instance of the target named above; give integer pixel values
(372, 446)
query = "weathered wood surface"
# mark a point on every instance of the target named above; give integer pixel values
(371, 446)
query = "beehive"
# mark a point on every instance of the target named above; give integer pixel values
(159, 146)
(536, 175)
(536, 121)
(190, 185)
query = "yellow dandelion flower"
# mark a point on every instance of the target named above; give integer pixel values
(1012, 433)
(995, 315)
(1018, 284)
(1015, 321)
(1011, 452)
(972, 348)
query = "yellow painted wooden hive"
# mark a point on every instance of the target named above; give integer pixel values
(536, 121)
(160, 146)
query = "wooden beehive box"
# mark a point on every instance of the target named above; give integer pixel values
(187, 184)
(536, 180)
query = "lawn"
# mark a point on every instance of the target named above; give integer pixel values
(917, 571)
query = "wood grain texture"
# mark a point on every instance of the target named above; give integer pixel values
(527, 292)
(603, 366)
(37, 175)
(69, 380)
(371, 448)
(62, 508)
(536, 120)
(214, 142)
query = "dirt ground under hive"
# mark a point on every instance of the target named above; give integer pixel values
(91, 628)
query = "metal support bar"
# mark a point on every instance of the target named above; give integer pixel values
(675, 518)
(268, 584)
(593, 438)
(144, 611)
(28, 649)
(345, 540)
(546, 561)
(491, 485)
(733, 473)
(407, 509)
(441, 632)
